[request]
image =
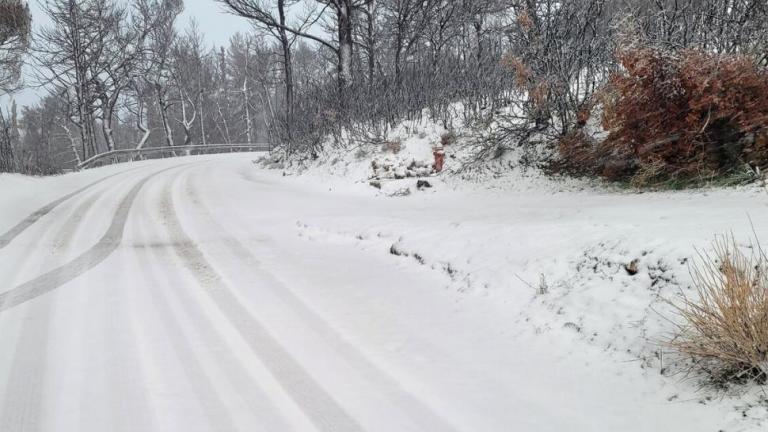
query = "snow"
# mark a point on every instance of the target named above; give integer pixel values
(241, 298)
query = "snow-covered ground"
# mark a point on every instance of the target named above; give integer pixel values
(204, 293)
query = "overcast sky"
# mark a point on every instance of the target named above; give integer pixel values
(217, 26)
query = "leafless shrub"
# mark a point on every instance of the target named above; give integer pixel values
(448, 138)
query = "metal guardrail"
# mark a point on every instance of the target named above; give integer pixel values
(115, 156)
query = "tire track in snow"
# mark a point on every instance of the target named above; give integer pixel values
(322, 410)
(108, 243)
(120, 380)
(200, 383)
(7, 237)
(184, 317)
(64, 238)
(23, 398)
(177, 298)
(24, 395)
(420, 413)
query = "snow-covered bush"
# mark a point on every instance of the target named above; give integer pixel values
(400, 168)
(725, 329)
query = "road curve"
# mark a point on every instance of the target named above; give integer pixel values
(7, 237)
(89, 259)
(185, 295)
(146, 328)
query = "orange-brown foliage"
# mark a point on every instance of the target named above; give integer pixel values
(523, 73)
(540, 94)
(688, 113)
(578, 152)
(525, 21)
(583, 115)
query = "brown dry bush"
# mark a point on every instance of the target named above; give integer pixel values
(688, 114)
(577, 153)
(583, 155)
(725, 328)
(523, 74)
(393, 147)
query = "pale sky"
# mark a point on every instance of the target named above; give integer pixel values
(217, 26)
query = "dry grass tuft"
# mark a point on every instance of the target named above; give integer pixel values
(725, 329)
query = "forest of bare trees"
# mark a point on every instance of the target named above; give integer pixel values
(126, 74)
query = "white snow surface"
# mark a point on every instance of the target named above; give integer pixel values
(206, 294)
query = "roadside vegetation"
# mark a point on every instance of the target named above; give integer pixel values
(644, 93)
(724, 326)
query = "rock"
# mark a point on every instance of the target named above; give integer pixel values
(401, 192)
(632, 268)
(376, 184)
(423, 184)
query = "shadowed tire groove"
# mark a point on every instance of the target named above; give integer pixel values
(320, 407)
(7, 237)
(200, 383)
(108, 243)
(24, 398)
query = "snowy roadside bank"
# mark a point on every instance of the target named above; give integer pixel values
(565, 258)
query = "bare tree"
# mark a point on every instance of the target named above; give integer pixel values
(159, 73)
(15, 23)
(408, 21)
(187, 72)
(273, 20)
(343, 13)
(68, 52)
(121, 60)
(355, 68)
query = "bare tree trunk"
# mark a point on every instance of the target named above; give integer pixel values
(398, 55)
(7, 162)
(225, 130)
(371, 42)
(186, 122)
(163, 105)
(141, 126)
(346, 42)
(72, 142)
(287, 68)
(85, 119)
(246, 98)
(87, 132)
(203, 138)
(106, 122)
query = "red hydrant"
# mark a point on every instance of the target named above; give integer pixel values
(439, 155)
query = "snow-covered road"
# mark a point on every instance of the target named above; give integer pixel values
(178, 295)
